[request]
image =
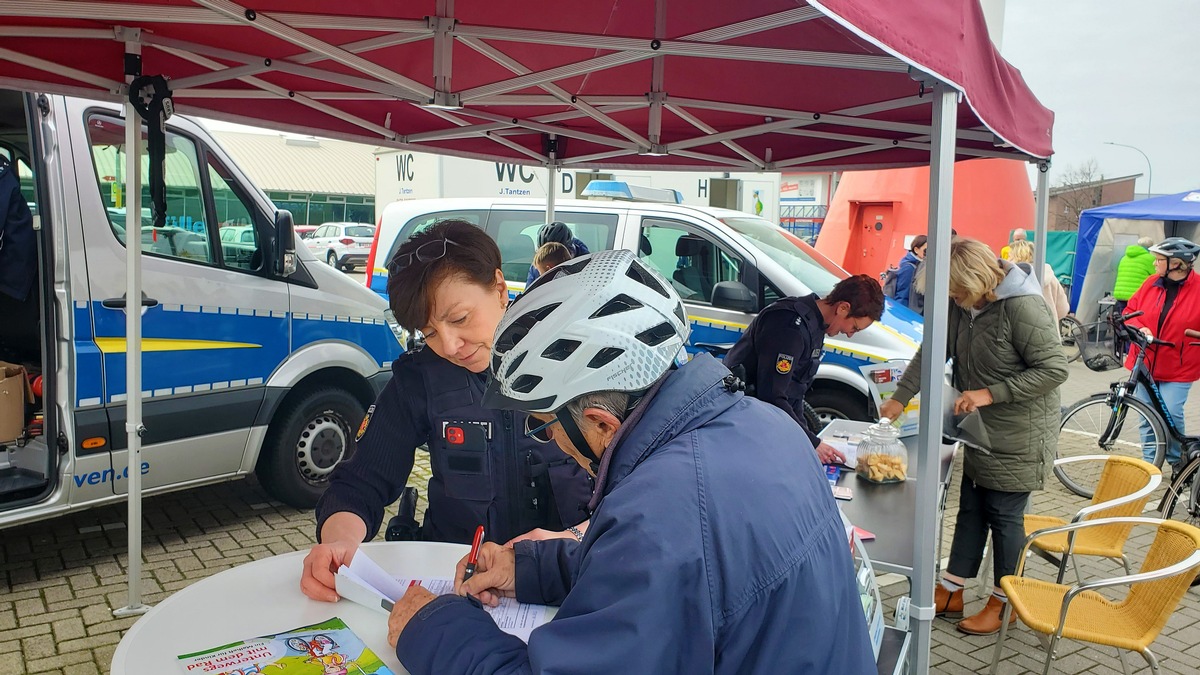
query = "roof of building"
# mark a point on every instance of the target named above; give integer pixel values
(1091, 184)
(276, 162)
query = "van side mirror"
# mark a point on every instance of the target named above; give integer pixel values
(734, 295)
(284, 259)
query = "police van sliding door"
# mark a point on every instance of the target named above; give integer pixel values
(219, 326)
(694, 262)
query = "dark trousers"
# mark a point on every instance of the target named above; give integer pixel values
(981, 511)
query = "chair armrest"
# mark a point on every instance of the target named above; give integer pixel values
(1178, 568)
(1151, 486)
(1081, 458)
(1078, 526)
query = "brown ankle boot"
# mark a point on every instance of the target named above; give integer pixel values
(946, 603)
(986, 622)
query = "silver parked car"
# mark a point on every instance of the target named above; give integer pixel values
(343, 245)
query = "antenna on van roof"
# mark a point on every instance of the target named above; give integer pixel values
(616, 189)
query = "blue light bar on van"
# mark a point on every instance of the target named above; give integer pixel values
(617, 189)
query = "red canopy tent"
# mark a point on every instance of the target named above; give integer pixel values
(696, 84)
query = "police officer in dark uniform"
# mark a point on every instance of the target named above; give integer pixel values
(781, 349)
(446, 282)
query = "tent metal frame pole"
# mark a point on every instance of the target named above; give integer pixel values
(1042, 204)
(134, 429)
(933, 368)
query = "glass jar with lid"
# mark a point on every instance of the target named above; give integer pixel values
(882, 457)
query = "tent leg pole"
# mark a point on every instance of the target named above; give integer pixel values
(551, 180)
(1043, 216)
(133, 350)
(937, 299)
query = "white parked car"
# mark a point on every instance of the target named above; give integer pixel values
(342, 245)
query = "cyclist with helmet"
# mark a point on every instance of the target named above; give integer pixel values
(446, 282)
(703, 556)
(560, 233)
(1170, 300)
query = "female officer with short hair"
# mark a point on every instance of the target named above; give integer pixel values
(446, 282)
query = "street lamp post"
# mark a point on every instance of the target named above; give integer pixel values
(1149, 169)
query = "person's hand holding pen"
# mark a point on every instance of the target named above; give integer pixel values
(495, 575)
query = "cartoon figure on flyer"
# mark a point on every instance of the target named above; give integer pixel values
(321, 651)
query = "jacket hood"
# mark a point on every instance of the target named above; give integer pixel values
(1136, 251)
(1017, 282)
(690, 397)
(910, 257)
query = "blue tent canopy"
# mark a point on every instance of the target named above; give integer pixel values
(1182, 206)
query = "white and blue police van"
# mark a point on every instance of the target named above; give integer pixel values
(726, 265)
(250, 365)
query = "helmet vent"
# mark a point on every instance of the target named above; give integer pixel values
(604, 357)
(525, 383)
(512, 367)
(521, 327)
(621, 303)
(559, 350)
(638, 274)
(657, 335)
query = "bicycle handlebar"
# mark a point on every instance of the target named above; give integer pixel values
(1142, 339)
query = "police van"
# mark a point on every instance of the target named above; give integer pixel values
(726, 265)
(248, 367)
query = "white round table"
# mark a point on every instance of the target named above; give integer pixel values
(264, 598)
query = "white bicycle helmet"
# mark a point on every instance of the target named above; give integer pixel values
(601, 322)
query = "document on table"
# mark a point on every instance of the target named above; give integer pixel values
(845, 435)
(366, 583)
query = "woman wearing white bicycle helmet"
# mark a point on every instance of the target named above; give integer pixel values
(1170, 303)
(711, 531)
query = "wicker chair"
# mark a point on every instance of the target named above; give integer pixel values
(1079, 613)
(1123, 489)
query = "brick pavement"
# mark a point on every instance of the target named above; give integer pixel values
(61, 578)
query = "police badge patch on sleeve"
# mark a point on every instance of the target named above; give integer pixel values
(362, 428)
(783, 363)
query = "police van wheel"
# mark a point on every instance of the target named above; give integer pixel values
(307, 438)
(832, 404)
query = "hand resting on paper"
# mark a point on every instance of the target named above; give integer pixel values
(340, 537)
(405, 609)
(891, 409)
(495, 575)
(972, 400)
(829, 454)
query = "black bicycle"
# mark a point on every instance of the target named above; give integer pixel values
(1182, 500)
(1115, 421)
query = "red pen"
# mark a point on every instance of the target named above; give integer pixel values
(474, 557)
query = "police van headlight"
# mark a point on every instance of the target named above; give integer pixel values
(403, 336)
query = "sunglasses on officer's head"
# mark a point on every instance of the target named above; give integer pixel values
(426, 253)
(541, 434)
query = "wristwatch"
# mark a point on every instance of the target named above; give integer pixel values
(576, 532)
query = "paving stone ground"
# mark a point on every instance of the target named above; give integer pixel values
(60, 579)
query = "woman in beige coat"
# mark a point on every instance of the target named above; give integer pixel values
(1052, 290)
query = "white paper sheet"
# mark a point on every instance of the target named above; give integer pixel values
(366, 583)
(845, 435)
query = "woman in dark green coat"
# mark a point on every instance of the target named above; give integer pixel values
(1008, 364)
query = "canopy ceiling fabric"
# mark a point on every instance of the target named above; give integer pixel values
(1184, 206)
(701, 84)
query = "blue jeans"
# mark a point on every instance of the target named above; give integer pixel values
(1174, 395)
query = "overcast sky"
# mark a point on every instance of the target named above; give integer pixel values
(1115, 70)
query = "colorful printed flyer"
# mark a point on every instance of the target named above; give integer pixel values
(327, 648)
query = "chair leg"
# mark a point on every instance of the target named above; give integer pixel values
(1078, 576)
(1000, 640)
(1062, 568)
(1149, 656)
(1124, 665)
(1050, 654)
(1125, 562)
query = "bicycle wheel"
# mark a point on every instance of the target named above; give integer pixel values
(1070, 331)
(1182, 501)
(1086, 422)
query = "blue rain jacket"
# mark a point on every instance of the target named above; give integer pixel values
(717, 548)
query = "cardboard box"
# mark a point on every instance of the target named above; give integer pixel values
(15, 392)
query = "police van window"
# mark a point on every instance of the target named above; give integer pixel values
(692, 263)
(516, 234)
(239, 248)
(185, 234)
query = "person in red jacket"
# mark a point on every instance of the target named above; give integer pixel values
(1170, 302)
